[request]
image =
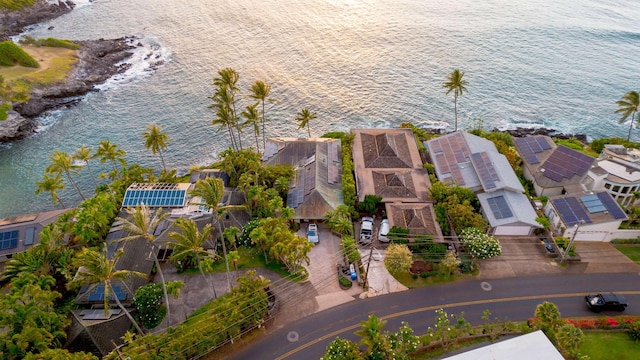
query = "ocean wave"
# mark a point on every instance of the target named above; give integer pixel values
(148, 56)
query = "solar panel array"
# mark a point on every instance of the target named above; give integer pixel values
(98, 314)
(485, 170)
(592, 203)
(500, 207)
(296, 192)
(8, 239)
(530, 146)
(333, 175)
(571, 211)
(449, 151)
(158, 195)
(611, 205)
(98, 294)
(565, 163)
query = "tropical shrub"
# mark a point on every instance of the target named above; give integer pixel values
(633, 330)
(148, 302)
(480, 245)
(398, 259)
(12, 54)
(49, 42)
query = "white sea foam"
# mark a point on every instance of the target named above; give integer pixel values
(148, 56)
(48, 119)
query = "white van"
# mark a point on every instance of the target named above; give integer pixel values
(384, 230)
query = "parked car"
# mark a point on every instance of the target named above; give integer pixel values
(610, 301)
(384, 230)
(312, 234)
(366, 229)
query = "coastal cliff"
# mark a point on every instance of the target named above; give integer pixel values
(97, 62)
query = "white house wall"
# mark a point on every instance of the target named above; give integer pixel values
(594, 232)
(513, 230)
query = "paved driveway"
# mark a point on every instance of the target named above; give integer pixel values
(526, 257)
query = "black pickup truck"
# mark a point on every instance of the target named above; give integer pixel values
(609, 301)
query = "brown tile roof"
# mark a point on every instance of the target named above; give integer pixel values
(419, 218)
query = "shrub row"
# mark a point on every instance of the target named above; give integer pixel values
(12, 54)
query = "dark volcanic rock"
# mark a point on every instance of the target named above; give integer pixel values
(97, 62)
(523, 132)
(15, 127)
(13, 23)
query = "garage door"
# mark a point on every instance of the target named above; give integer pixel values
(512, 230)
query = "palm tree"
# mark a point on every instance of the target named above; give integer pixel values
(156, 140)
(63, 162)
(373, 338)
(457, 84)
(303, 117)
(96, 267)
(51, 183)
(628, 105)
(224, 114)
(210, 190)
(190, 241)
(260, 91)
(251, 118)
(83, 154)
(142, 224)
(225, 98)
(107, 151)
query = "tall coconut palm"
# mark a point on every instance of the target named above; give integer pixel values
(225, 98)
(210, 190)
(108, 151)
(141, 223)
(252, 118)
(190, 241)
(156, 140)
(51, 183)
(628, 105)
(304, 117)
(84, 154)
(61, 162)
(96, 267)
(224, 115)
(457, 84)
(260, 91)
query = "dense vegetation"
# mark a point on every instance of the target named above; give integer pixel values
(12, 54)
(13, 5)
(49, 42)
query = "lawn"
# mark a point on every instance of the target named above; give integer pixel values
(407, 279)
(631, 251)
(250, 258)
(609, 346)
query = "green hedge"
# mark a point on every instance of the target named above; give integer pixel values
(50, 42)
(13, 5)
(12, 54)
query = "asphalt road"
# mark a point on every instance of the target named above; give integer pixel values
(511, 298)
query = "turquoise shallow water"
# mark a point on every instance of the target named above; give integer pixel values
(357, 63)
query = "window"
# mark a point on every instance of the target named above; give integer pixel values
(616, 188)
(607, 186)
(8, 239)
(625, 190)
(29, 232)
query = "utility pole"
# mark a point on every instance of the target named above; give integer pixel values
(373, 237)
(575, 232)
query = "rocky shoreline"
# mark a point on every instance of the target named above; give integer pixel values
(98, 61)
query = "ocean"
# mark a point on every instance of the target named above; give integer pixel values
(557, 64)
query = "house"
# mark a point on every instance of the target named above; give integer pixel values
(532, 346)
(591, 216)
(18, 233)
(473, 162)
(618, 172)
(553, 169)
(317, 185)
(93, 331)
(387, 163)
